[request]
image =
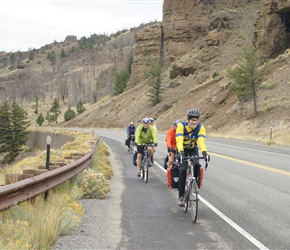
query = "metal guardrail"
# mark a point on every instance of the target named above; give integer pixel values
(27, 189)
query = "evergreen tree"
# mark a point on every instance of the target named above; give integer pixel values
(173, 73)
(5, 128)
(49, 117)
(248, 76)
(155, 89)
(36, 98)
(62, 54)
(55, 110)
(121, 81)
(80, 107)
(13, 130)
(69, 114)
(40, 119)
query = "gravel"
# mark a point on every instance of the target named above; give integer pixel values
(101, 225)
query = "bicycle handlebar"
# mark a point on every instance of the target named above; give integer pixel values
(194, 158)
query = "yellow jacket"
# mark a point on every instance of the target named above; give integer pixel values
(187, 138)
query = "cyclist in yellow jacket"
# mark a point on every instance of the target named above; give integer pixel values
(190, 135)
(145, 134)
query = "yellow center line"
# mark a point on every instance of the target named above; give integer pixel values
(253, 164)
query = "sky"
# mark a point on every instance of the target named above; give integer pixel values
(26, 25)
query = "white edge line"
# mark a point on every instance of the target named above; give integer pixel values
(228, 220)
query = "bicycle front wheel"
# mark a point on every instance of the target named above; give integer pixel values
(146, 171)
(193, 200)
(186, 196)
(131, 147)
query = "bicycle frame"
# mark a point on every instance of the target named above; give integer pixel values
(144, 163)
(191, 187)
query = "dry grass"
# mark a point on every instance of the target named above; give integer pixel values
(37, 224)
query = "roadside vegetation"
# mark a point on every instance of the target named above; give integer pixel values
(38, 223)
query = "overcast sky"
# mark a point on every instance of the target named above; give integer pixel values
(26, 25)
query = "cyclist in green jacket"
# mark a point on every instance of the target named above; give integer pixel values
(145, 134)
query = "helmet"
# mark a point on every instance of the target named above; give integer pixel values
(151, 119)
(176, 122)
(131, 123)
(192, 113)
(146, 120)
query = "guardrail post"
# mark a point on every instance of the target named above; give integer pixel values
(48, 141)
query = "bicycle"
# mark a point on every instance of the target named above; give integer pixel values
(131, 146)
(191, 187)
(145, 163)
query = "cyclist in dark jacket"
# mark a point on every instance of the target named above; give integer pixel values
(131, 129)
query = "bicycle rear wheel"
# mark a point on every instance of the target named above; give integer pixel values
(193, 200)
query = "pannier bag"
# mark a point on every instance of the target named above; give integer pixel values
(173, 176)
(200, 177)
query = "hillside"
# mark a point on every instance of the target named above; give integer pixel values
(202, 38)
(221, 113)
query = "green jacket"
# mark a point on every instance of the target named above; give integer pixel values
(142, 137)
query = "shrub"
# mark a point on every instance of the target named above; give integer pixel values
(173, 71)
(94, 185)
(69, 114)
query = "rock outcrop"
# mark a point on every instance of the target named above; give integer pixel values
(272, 36)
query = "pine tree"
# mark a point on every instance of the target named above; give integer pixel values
(5, 128)
(80, 107)
(121, 81)
(55, 110)
(248, 76)
(69, 114)
(154, 78)
(13, 132)
(40, 119)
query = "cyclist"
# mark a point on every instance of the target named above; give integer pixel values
(171, 144)
(145, 134)
(152, 123)
(188, 135)
(131, 129)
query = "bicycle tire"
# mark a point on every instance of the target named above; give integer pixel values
(146, 171)
(186, 197)
(193, 200)
(131, 147)
(142, 169)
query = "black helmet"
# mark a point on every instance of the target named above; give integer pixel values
(192, 113)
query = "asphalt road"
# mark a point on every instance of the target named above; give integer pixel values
(244, 199)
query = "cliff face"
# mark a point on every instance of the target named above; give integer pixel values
(187, 22)
(272, 35)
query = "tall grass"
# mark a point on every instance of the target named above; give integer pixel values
(38, 223)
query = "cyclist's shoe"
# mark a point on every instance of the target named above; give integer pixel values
(150, 164)
(181, 202)
(138, 174)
